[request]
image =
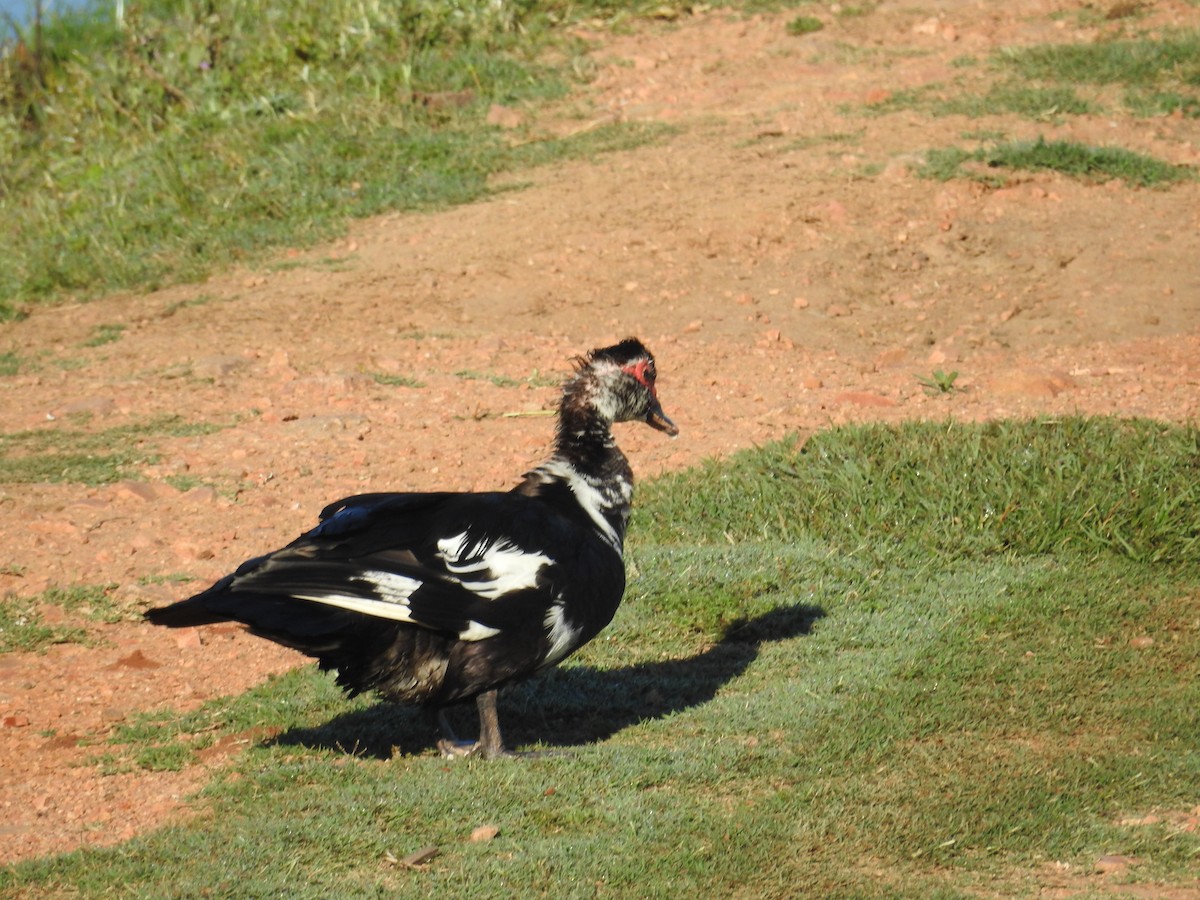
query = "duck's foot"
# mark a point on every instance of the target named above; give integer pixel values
(453, 749)
(490, 744)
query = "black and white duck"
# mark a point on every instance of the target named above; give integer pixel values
(439, 598)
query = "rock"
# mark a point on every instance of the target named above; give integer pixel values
(484, 833)
(1031, 383)
(136, 490)
(187, 639)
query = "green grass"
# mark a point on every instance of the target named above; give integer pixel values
(24, 629)
(57, 454)
(23, 626)
(1146, 63)
(1007, 97)
(891, 661)
(1069, 158)
(1161, 76)
(390, 380)
(105, 334)
(206, 133)
(802, 25)
(536, 379)
(1019, 99)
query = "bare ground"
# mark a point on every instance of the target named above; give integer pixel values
(777, 254)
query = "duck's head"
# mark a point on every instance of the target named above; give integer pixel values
(618, 384)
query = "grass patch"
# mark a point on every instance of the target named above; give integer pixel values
(802, 25)
(1019, 99)
(56, 454)
(1161, 76)
(389, 380)
(1069, 158)
(1090, 486)
(199, 135)
(833, 668)
(104, 334)
(1146, 63)
(1029, 101)
(535, 379)
(23, 629)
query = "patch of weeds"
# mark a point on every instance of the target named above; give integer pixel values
(1018, 99)
(984, 134)
(1092, 164)
(939, 382)
(172, 308)
(324, 264)
(802, 25)
(1132, 63)
(185, 483)
(773, 6)
(110, 764)
(907, 98)
(58, 454)
(1162, 103)
(104, 334)
(166, 578)
(10, 363)
(536, 379)
(24, 630)
(93, 601)
(164, 757)
(408, 381)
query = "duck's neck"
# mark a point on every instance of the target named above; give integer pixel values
(587, 460)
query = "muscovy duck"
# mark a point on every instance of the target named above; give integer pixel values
(438, 598)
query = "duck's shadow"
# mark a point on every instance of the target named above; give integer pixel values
(571, 706)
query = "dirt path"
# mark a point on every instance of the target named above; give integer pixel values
(777, 254)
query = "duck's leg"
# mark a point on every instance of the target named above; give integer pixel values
(490, 744)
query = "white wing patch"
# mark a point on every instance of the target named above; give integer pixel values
(561, 633)
(393, 590)
(493, 569)
(477, 631)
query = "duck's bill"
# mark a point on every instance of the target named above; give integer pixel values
(657, 419)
